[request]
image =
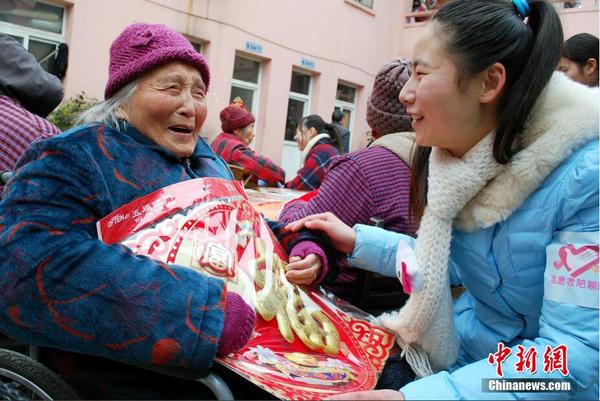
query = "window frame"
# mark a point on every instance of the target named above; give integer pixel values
(301, 97)
(27, 33)
(254, 87)
(366, 3)
(344, 105)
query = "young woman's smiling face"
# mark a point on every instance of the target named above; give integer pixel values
(444, 114)
(169, 107)
(303, 136)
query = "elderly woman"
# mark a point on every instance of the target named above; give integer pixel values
(233, 145)
(61, 286)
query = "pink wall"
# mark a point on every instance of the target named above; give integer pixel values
(346, 42)
(574, 20)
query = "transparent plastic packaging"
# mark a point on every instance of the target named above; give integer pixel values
(306, 344)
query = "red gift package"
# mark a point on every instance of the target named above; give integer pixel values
(306, 344)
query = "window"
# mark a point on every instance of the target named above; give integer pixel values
(298, 103)
(40, 28)
(245, 82)
(344, 100)
(366, 3)
(197, 44)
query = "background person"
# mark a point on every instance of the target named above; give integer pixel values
(27, 95)
(338, 120)
(238, 102)
(369, 183)
(579, 59)
(64, 288)
(233, 145)
(506, 193)
(319, 143)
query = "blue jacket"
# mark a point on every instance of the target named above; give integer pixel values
(61, 287)
(511, 270)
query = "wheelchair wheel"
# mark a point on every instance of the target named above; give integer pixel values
(22, 378)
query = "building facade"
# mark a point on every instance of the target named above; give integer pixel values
(285, 58)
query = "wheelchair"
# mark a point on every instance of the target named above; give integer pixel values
(22, 377)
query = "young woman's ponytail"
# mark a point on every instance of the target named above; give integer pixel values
(336, 139)
(539, 65)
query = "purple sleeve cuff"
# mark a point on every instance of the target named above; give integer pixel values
(239, 324)
(304, 248)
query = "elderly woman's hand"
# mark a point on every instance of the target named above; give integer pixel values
(307, 264)
(304, 270)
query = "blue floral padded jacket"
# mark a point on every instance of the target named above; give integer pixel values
(62, 287)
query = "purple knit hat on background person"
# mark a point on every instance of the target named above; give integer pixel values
(385, 113)
(142, 47)
(234, 117)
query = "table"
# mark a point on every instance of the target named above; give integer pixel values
(269, 201)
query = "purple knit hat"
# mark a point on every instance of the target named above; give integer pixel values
(385, 113)
(234, 117)
(142, 47)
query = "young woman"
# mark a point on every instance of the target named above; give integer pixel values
(507, 203)
(319, 143)
(579, 59)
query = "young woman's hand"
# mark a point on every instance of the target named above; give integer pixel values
(369, 395)
(303, 270)
(342, 236)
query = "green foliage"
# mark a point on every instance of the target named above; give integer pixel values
(64, 116)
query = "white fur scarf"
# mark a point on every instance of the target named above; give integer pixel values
(311, 144)
(425, 325)
(564, 118)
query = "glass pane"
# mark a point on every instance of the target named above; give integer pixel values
(19, 39)
(247, 96)
(572, 4)
(345, 93)
(368, 3)
(295, 112)
(197, 46)
(300, 83)
(40, 51)
(41, 16)
(246, 70)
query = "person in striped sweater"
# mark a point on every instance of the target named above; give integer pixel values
(370, 183)
(27, 95)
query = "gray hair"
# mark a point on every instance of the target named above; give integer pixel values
(106, 111)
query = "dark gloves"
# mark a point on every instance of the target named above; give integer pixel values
(240, 320)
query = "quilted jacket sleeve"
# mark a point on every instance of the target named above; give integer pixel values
(61, 287)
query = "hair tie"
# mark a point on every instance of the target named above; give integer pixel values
(522, 8)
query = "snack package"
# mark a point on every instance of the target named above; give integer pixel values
(305, 345)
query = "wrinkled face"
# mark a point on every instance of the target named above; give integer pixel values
(303, 135)
(444, 115)
(169, 107)
(245, 134)
(575, 71)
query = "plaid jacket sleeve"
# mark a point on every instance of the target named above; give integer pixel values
(261, 166)
(312, 173)
(344, 181)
